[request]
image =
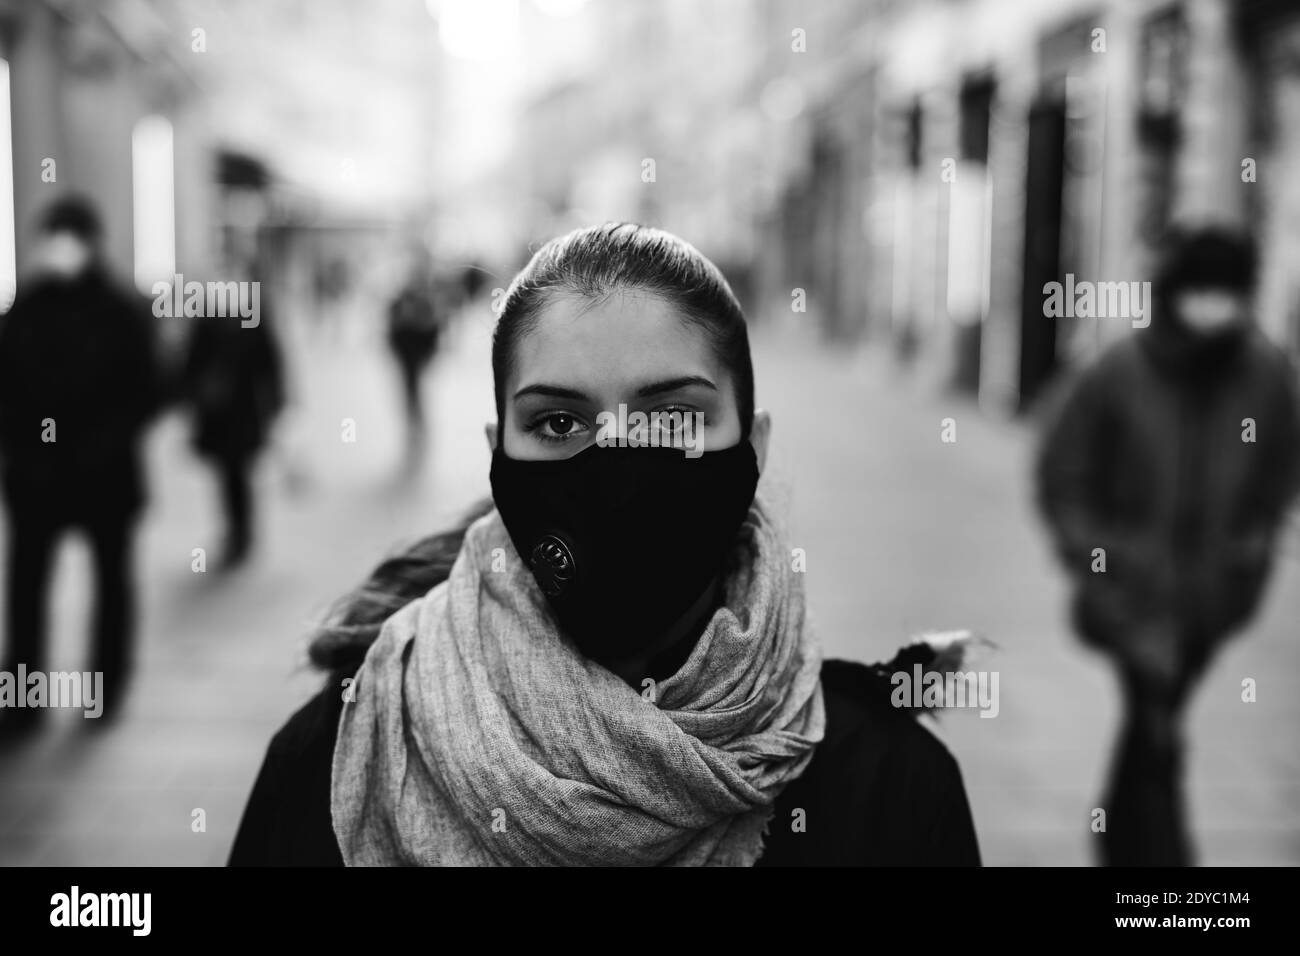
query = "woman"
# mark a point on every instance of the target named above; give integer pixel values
(613, 664)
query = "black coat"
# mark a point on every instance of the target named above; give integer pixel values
(413, 326)
(233, 380)
(881, 790)
(82, 354)
(1145, 459)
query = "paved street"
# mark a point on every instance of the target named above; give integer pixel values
(902, 533)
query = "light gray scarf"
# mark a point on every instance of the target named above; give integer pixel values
(480, 736)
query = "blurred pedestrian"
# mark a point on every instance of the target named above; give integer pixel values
(233, 383)
(1165, 478)
(473, 278)
(331, 278)
(78, 383)
(610, 663)
(414, 331)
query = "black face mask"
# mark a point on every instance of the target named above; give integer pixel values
(622, 541)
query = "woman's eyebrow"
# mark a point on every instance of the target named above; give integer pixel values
(673, 384)
(552, 391)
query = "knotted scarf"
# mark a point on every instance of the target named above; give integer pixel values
(479, 736)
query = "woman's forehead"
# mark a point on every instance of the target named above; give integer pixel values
(624, 338)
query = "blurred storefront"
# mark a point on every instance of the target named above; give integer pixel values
(909, 172)
(625, 132)
(99, 103)
(1270, 33)
(958, 156)
(147, 108)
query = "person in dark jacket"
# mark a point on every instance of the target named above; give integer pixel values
(1165, 477)
(233, 383)
(78, 383)
(610, 663)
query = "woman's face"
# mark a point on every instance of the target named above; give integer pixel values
(586, 356)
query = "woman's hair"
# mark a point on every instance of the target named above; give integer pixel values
(591, 263)
(355, 620)
(600, 261)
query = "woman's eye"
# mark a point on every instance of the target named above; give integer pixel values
(674, 419)
(558, 426)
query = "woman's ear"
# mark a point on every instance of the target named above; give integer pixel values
(759, 431)
(491, 429)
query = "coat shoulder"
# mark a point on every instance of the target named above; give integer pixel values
(312, 725)
(1268, 360)
(881, 790)
(858, 698)
(287, 821)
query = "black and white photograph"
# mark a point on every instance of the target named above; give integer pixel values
(638, 433)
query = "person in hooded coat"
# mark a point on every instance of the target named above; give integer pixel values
(1165, 476)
